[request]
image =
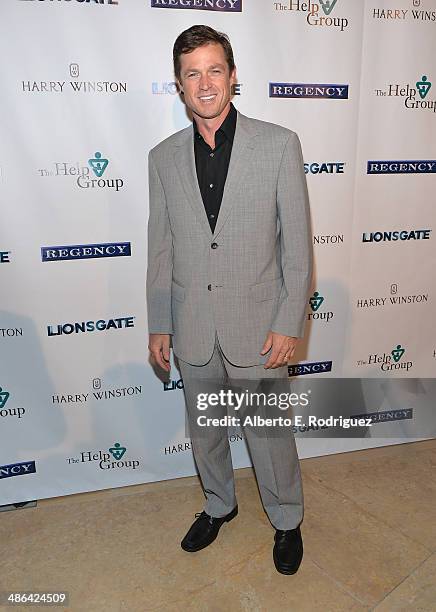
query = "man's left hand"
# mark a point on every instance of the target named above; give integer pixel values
(283, 349)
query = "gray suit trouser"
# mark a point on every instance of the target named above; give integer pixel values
(275, 459)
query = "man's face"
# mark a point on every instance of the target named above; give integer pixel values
(206, 80)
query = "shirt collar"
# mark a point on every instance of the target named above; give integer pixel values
(228, 126)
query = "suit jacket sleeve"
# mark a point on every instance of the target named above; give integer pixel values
(160, 257)
(296, 243)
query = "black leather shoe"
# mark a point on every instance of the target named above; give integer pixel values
(288, 550)
(205, 530)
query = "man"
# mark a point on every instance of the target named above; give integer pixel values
(229, 269)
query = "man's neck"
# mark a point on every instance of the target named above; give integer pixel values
(208, 127)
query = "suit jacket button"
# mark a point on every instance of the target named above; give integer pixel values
(214, 245)
(209, 287)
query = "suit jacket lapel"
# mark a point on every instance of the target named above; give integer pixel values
(242, 149)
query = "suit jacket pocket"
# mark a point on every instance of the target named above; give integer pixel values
(267, 290)
(177, 291)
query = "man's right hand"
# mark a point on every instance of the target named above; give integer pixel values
(159, 347)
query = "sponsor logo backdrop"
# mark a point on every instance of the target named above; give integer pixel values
(87, 90)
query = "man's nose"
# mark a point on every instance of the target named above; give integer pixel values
(204, 81)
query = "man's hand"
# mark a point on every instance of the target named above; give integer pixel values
(159, 347)
(283, 349)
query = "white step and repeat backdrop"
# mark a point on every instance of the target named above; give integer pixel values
(86, 90)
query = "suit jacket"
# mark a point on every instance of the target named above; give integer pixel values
(253, 273)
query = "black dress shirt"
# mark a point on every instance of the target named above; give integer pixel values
(212, 164)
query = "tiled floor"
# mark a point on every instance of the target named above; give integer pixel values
(369, 534)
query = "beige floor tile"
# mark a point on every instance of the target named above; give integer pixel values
(398, 489)
(360, 551)
(119, 549)
(417, 592)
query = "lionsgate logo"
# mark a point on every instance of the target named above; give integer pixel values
(405, 166)
(393, 299)
(324, 168)
(415, 96)
(86, 251)
(396, 235)
(66, 329)
(112, 459)
(74, 85)
(229, 6)
(308, 90)
(170, 88)
(387, 362)
(90, 175)
(321, 14)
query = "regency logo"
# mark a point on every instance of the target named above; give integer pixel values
(229, 6)
(318, 14)
(17, 469)
(110, 459)
(415, 95)
(86, 251)
(310, 367)
(308, 90)
(402, 166)
(73, 86)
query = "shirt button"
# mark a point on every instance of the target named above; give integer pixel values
(209, 287)
(211, 185)
(214, 245)
(212, 216)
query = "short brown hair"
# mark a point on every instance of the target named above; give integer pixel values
(197, 36)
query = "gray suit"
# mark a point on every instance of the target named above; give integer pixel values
(220, 293)
(258, 276)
